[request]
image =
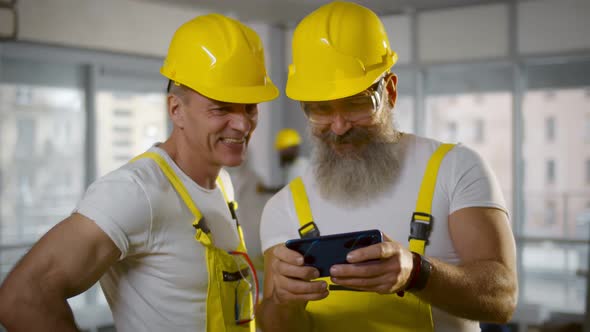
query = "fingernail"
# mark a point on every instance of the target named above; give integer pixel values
(333, 270)
(300, 260)
(349, 257)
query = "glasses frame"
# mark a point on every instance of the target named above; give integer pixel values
(375, 92)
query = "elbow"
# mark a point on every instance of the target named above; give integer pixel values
(505, 307)
(506, 310)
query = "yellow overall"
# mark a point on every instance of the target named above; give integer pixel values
(224, 270)
(349, 310)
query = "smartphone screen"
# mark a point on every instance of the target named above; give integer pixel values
(324, 251)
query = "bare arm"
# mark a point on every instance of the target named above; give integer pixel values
(66, 261)
(482, 287)
(287, 288)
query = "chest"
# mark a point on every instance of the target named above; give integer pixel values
(390, 212)
(173, 250)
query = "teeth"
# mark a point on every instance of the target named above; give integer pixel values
(234, 140)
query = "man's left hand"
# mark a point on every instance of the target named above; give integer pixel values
(382, 268)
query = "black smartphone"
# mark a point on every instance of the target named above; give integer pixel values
(324, 251)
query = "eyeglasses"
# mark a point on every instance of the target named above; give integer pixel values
(353, 109)
(246, 288)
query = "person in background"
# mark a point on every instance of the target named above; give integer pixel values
(448, 256)
(293, 164)
(288, 145)
(160, 232)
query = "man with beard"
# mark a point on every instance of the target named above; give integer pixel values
(161, 231)
(448, 256)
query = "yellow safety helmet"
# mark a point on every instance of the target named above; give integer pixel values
(221, 59)
(339, 50)
(287, 138)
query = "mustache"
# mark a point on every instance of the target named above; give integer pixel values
(354, 135)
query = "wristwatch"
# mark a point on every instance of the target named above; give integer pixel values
(420, 272)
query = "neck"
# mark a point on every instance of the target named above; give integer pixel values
(202, 173)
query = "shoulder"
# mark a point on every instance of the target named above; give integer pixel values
(424, 147)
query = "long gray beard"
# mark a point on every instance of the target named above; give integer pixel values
(358, 177)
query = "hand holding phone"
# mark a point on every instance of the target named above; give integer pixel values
(324, 251)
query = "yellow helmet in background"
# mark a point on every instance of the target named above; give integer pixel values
(287, 138)
(221, 59)
(339, 50)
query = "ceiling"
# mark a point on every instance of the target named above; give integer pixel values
(289, 12)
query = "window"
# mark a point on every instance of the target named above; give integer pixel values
(550, 213)
(550, 129)
(121, 130)
(550, 171)
(129, 120)
(122, 113)
(556, 211)
(466, 103)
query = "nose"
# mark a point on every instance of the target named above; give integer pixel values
(340, 125)
(240, 120)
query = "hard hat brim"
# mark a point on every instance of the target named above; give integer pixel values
(229, 93)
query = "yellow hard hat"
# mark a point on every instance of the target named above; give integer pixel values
(221, 59)
(287, 138)
(339, 50)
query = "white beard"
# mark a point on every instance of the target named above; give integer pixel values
(357, 177)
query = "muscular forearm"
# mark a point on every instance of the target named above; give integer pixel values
(26, 309)
(482, 291)
(272, 316)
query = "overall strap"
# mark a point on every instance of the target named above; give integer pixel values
(308, 227)
(421, 223)
(185, 196)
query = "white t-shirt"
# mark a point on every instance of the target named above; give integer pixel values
(160, 281)
(464, 180)
(297, 168)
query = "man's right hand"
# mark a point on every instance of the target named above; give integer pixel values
(288, 286)
(291, 280)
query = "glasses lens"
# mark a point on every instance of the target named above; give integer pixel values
(353, 108)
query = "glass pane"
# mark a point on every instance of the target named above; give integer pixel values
(555, 267)
(556, 108)
(41, 158)
(473, 106)
(127, 124)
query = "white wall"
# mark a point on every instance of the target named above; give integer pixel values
(548, 26)
(463, 33)
(126, 26)
(399, 28)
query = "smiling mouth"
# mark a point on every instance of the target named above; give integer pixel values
(234, 140)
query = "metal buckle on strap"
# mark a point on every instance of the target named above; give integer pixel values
(232, 209)
(313, 232)
(202, 225)
(420, 227)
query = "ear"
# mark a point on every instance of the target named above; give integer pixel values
(392, 89)
(175, 110)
